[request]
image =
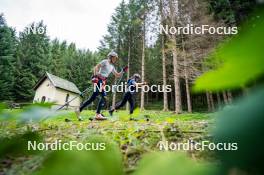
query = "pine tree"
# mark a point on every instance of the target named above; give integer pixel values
(33, 60)
(7, 52)
(58, 66)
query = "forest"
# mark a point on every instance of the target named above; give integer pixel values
(216, 80)
(133, 34)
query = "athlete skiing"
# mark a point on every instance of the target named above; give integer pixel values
(101, 73)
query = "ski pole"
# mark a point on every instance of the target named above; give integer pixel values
(120, 79)
(72, 99)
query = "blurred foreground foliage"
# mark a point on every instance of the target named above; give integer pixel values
(126, 143)
(170, 164)
(241, 62)
(17, 144)
(241, 59)
(108, 161)
(242, 124)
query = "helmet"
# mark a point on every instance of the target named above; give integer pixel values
(112, 54)
(137, 76)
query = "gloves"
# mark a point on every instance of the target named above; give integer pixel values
(125, 69)
(95, 79)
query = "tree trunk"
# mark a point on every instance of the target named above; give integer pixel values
(229, 97)
(208, 102)
(176, 76)
(212, 101)
(142, 101)
(128, 64)
(225, 97)
(189, 102)
(164, 76)
(218, 99)
(186, 76)
(171, 100)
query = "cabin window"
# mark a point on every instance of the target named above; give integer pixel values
(43, 99)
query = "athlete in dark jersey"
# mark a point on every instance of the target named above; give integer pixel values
(132, 83)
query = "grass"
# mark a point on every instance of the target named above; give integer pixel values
(134, 138)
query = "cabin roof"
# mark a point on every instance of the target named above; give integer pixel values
(58, 83)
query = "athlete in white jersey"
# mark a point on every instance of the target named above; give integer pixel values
(101, 73)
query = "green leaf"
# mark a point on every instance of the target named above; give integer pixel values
(242, 59)
(243, 124)
(17, 144)
(84, 162)
(171, 163)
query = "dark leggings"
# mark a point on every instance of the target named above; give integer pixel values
(101, 103)
(127, 97)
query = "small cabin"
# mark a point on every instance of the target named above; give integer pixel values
(53, 89)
